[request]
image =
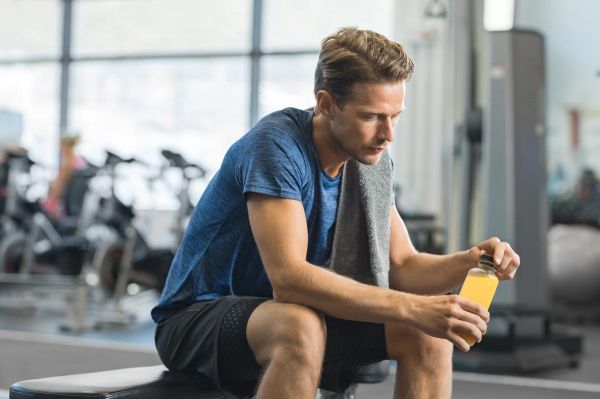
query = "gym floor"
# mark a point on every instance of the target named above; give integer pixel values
(33, 345)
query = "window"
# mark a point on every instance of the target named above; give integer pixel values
(187, 86)
(296, 25)
(30, 28)
(30, 45)
(297, 28)
(287, 81)
(29, 93)
(111, 27)
(197, 107)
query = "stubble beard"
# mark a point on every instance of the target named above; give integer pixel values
(358, 156)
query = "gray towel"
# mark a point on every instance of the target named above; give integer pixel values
(361, 240)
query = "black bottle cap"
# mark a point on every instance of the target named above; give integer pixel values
(487, 260)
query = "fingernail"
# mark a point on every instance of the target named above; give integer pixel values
(498, 260)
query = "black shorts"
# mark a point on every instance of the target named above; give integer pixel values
(210, 338)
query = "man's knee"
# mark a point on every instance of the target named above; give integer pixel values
(290, 332)
(408, 343)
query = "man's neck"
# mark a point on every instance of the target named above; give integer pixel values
(331, 157)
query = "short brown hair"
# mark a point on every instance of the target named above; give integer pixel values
(352, 56)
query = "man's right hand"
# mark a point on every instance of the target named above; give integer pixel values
(448, 316)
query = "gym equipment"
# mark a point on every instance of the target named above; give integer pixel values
(96, 242)
(514, 167)
(574, 264)
(16, 208)
(189, 172)
(126, 258)
(33, 238)
(148, 383)
(135, 383)
(514, 208)
(126, 272)
(23, 224)
(521, 340)
(573, 210)
(424, 229)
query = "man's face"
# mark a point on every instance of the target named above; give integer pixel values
(364, 126)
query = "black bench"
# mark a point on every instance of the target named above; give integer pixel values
(154, 382)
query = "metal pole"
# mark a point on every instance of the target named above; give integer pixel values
(255, 55)
(65, 61)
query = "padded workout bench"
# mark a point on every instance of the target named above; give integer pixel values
(154, 382)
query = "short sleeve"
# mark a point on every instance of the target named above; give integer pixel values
(271, 164)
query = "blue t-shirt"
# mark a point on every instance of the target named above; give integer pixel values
(218, 255)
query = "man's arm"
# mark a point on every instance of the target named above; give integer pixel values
(279, 229)
(427, 274)
(422, 273)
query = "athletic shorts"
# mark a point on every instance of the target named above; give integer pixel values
(210, 338)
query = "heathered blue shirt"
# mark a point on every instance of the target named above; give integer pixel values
(218, 255)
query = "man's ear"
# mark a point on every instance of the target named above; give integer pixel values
(326, 103)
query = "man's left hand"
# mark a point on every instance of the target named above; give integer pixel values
(505, 257)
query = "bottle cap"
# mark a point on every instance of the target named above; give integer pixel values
(487, 260)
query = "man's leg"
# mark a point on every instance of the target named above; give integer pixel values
(289, 342)
(424, 363)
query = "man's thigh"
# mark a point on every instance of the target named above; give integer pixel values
(349, 344)
(210, 338)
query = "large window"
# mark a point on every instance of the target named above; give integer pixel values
(130, 27)
(291, 36)
(29, 93)
(30, 47)
(198, 107)
(287, 81)
(30, 28)
(136, 76)
(298, 25)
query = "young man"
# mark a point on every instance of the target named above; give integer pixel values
(249, 300)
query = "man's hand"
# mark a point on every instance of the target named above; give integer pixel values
(447, 316)
(505, 257)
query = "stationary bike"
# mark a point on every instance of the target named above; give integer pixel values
(126, 258)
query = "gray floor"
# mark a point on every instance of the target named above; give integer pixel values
(477, 386)
(29, 356)
(32, 346)
(573, 383)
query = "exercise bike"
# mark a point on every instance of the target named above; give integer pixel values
(126, 266)
(189, 172)
(34, 242)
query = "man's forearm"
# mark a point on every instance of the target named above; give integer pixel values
(427, 274)
(341, 297)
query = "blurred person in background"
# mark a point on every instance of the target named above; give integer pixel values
(70, 162)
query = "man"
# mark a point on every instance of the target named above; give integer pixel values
(246, 302)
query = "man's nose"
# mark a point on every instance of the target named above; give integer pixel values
(387, 130)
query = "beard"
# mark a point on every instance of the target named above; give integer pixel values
(364, 154)
(369, 160)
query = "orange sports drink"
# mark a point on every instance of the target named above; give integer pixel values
(480, 286)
